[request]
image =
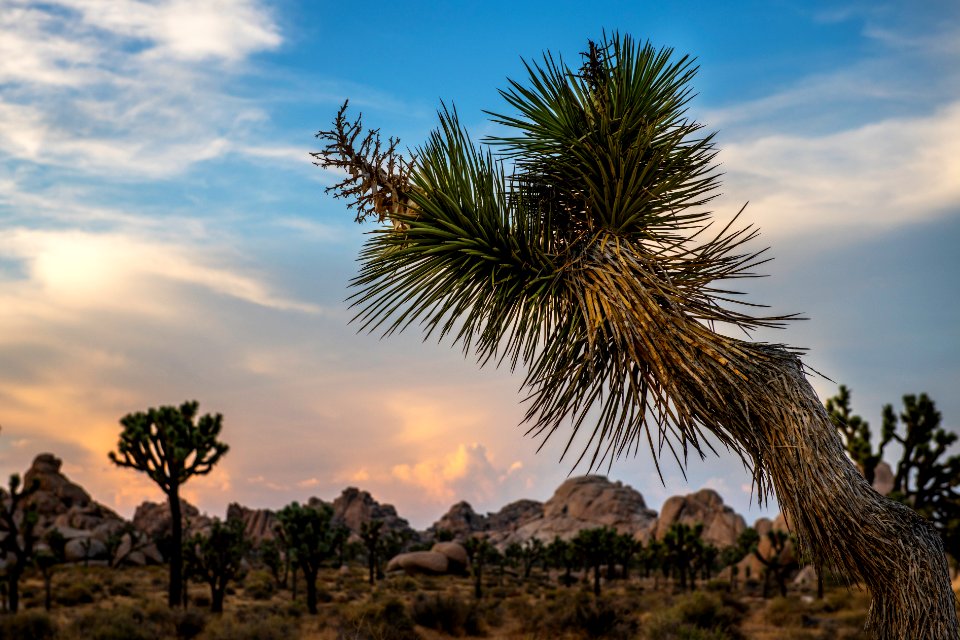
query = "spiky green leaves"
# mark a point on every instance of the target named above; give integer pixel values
(170, 444)
(580, 251)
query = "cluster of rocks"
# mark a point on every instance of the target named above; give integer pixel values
(92, 532)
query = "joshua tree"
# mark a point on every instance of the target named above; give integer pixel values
(311, 539)
(593, 546)
(479, 552)
(581, 251)
(17, 520)
(216, 557)
(776, 563)
(171, 446)
(683, 548)
(47, 559)
(370, 534)
(276, 562)
(563, 556)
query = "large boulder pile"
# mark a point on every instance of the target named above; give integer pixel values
(721, 524)
(586, 502)
(93, 532)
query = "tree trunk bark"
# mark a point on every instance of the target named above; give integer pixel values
(838, 516)
(174, 594)
(311, 579)
(13, 586)
(216, 598)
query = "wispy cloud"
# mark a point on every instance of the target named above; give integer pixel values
(872, 177)
(115, 89)
(80, 270)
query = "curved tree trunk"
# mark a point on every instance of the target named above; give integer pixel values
(757, 400)
(839, 517)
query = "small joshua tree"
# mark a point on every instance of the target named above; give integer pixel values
(682, 546)
(479, 552)
(47, 559)
(216, 558)
(171, 446)
(593, 548)
(776, 563)
(18, 520)
(310, 539)
(370, 534)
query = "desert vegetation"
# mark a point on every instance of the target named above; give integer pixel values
(97, 602)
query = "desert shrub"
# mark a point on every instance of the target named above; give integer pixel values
(259, 585)
(121, 587)
(121, 623)
(189, 624)
(837, 600)
(581, 612)
(697, 616)
(386, 620)
(449, 614)
(27, 625)
(269, 627)
(785, 612)
(403, 584)
(76, 592)
(201, 599)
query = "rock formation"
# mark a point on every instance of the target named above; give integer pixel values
(354, 507)
(92, 531)
(586, 502)
(721, 525)
(258, 524)
(443, 558)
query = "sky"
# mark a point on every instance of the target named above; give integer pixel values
(165, 237)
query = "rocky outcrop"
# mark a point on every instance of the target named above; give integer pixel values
(721, 524)
(92, 532)
(153, 519)
(258, 524)
(354, 507)
(514, 515)
(460, 521)
(587, 502)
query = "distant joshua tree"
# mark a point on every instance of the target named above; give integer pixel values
(370, 534)
(581, 251)
(17, 519)
(216, 557)
(171, 446)
(683, 548)
(310, 539)
(776, 563)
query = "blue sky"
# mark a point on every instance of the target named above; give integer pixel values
(163, 235)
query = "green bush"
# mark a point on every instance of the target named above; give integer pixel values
(27, 625)
(259, 585)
